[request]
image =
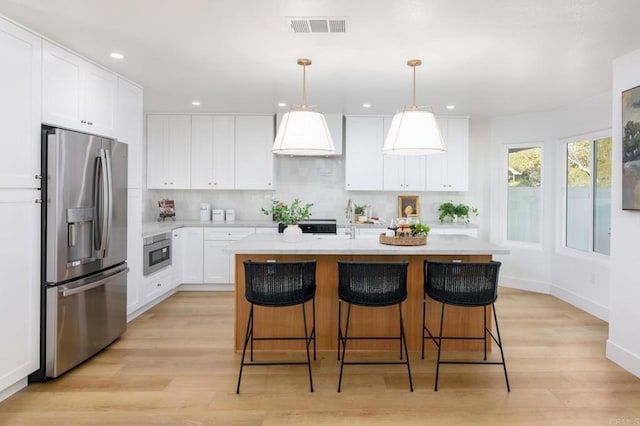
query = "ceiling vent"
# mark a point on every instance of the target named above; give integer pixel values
(317, 25)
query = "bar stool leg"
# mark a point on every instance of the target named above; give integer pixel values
(307, 342)
(439, 347)
(484, 318)
(403, 340)
(313, 331)
(339, 327)
(424, 322)
(344, 345)
(244, 348)
(504, 365)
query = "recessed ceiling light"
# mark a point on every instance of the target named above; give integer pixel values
(366, 105)
(195, 103)
(451, 106)
(116, 55)
(282, 104)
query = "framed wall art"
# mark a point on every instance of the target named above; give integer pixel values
(408, 206)
(631, 149)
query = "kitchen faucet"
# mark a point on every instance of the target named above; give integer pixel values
(351, 215)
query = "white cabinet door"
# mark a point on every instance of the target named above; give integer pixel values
(20, 285)
(177, 256)
(135, 277)
(224, 152)
(254, 160)
(450, 171)
(98, 101)
(219, 266)
(212, 152)
(192, 255)
(129, 127)
(217, 263)
(201, 152)
(363, 150)
(20, 98)
(168, 151)
(77, 94)
(415, 173)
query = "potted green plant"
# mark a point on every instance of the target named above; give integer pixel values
(456, 212)
(420, 230)
(285, 214)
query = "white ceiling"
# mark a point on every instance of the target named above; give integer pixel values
(487, 57)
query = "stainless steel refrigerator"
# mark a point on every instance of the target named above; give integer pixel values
(84, 247)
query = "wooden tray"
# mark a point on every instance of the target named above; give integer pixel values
(403, 241)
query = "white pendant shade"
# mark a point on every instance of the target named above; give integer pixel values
(414, 132)
(303, 132)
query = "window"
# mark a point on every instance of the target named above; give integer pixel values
(588, 195)
(524, 193)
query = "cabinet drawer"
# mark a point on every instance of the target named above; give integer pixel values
(157, 284)
(226, 234)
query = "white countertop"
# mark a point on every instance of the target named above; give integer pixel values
(155, 227)
(338, 244)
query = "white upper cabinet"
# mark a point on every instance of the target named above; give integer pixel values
(254, 159)
(450, 171)
(403, 172)
(168, 151)
(77, 94)
(20, 113)
(212, 152)
(363, 153)
(129, 124)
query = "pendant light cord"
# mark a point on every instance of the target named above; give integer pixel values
(304, 86)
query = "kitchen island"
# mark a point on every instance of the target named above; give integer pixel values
(327, 250)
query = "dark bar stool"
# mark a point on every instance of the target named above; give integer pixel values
(276, 284)
(371, 284)
(470, 284)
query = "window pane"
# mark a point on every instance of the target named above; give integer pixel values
(578, 221)
(524, 194)
(602, 197)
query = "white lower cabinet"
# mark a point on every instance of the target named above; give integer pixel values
(20, 285)
(134, 250)
(219, 266)
(192, 255)
(157, 284)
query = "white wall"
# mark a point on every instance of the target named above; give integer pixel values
(623, 346)
(527, 266)
(578, 278)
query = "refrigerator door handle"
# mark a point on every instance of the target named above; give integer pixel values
(101, 202)
(70, 291)
(109, 199)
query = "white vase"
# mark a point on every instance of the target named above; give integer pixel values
(292, 234)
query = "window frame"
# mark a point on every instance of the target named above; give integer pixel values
(505, 178)
(561, 243)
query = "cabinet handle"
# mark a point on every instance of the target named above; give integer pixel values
(89, 123)
(38, 176)
(83, 121)
(38, 201)
(159, 285)
(166, 183)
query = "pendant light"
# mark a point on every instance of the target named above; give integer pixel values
(303, 130)
(414, 130)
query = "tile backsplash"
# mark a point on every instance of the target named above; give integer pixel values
(316, 180)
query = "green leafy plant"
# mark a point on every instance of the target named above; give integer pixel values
(359, 210)
(420, 229)
(453, 211)
(288, 214)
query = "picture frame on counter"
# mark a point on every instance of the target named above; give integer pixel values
(408, 205)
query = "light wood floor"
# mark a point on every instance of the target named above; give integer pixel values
(175, 365)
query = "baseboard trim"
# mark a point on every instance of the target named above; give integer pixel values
(589, 306)
(141, 310)
(13, 389)
(521, 284)
(624, 358)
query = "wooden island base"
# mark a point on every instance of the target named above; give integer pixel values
(365, 321)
